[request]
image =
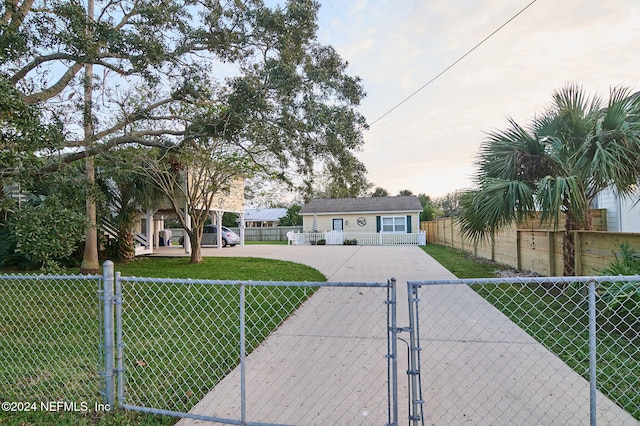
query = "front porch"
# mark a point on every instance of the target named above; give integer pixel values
(357, 238)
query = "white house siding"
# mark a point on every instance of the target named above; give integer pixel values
(607, 199)
(324, 222)
(622, 215)
(630, 214)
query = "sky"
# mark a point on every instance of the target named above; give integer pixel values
(430, 142)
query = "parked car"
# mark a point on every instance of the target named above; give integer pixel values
(210, 236)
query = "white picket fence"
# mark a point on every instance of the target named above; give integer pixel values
(360, 238)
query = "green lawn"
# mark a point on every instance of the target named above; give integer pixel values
(556, 316)
(51, 351)
(461, 264)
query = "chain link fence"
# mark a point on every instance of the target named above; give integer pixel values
(542, 351)
(500, 351)
(50, 339)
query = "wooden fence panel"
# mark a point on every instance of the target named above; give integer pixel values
(537, 250)
(598, 249)
(534, 251)
(506, 247)
(484, 249)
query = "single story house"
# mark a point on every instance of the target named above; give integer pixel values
(400, 214)
(263, 218)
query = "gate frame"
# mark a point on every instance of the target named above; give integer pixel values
(414, 286)
(114, 372)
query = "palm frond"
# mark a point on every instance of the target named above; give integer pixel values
(498, 203)
(618, 110)
(575, 114)
(501, 153)
(561, 194)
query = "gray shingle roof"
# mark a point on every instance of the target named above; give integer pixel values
(408, 203)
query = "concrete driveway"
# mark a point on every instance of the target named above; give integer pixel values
(326, 364)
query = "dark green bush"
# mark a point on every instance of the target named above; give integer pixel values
(623, 297)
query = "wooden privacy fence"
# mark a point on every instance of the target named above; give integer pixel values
(533, 247)
(275, 233)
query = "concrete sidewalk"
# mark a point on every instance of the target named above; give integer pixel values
(326, 364)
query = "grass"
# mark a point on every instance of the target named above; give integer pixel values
(220, 268)
(462, 265)
(556, 316)
(176, 349)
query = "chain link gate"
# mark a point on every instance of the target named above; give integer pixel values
(198, 349)
(526, 350)
(49, 357)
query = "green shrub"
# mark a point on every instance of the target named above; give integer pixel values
(10, 259)
(47, 233)
(623, 297)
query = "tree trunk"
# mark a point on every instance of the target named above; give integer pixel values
(196, 248)
(126, 245)
(90, 262)
(568, 246)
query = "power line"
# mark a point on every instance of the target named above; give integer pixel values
(453, 64)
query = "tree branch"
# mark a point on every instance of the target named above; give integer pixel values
(141, 138)
(14, 15)
(58, 87)
(20, 74)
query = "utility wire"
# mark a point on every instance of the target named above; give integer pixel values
(452, 65)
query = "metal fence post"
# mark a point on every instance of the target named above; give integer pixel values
(243, 407)
(108, 373)
(392, 356)
(119, 342)
(592, 352)
(414, 366)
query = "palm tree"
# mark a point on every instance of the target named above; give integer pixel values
(129, 192)
(574, 150)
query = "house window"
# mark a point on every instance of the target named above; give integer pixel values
(394, 224)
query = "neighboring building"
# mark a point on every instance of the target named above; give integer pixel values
(399, 214)
(623, 213)
(263, 218)
(14, 191)
(152, 222)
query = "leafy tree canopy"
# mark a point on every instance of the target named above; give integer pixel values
(380, 192)
(78, 80)
(293, 217)
(170, 71)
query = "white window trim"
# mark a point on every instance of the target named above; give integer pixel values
(404, 221)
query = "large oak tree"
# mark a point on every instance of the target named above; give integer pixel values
(79, 80)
